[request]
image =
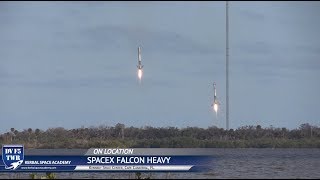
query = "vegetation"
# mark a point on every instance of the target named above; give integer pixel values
(306, 136)
(49, 175)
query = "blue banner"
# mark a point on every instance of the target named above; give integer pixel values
(104, 163)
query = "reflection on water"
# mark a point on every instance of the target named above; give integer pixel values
(229, 163)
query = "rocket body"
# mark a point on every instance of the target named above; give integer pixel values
(139, 66)
(215, 100)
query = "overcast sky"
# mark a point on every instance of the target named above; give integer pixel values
(73, 64)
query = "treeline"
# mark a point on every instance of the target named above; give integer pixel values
(306, 136)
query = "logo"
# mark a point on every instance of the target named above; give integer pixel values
(12, 156)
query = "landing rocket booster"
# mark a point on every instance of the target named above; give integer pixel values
(139, 66)
(215, 99)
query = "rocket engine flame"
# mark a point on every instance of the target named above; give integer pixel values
(215, 107)
(140, 73)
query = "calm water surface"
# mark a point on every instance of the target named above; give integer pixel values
(229, 163)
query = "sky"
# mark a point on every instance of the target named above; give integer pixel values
(73, 64)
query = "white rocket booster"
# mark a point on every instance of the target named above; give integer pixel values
(215, 100)
(139, 66)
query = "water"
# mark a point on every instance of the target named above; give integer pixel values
(229, 163)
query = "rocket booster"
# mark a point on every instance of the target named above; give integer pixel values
(139, 66)
(215, 99)
(215, 91)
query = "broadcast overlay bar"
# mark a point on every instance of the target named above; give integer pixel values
(135, 168)
(17, 159)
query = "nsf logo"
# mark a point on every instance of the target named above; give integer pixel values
(12, 156)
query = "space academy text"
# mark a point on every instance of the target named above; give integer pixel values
(47, 162)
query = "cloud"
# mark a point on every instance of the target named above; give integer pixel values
(258, 47)
(271, 60)
(108, 82)
(308, 49)
(252, 15)
(8, 75)
(110, 38)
